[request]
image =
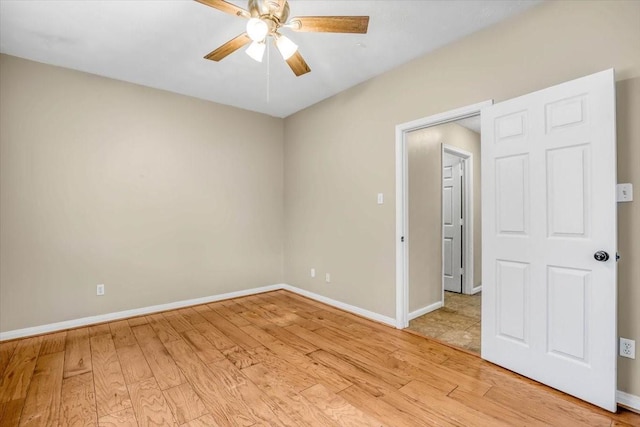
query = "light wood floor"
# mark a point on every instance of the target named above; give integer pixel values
(267, 360)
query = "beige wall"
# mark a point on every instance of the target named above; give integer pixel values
(159, 196)
(424, 160)
(340, 153)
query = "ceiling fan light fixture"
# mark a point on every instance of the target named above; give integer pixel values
(257, 29)
(256, 51)
(286, 47)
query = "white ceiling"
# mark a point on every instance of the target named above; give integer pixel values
(161, 44)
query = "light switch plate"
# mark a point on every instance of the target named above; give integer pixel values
(380, 198)
(624, 192)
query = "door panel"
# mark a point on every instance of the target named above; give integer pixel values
(548, 307)
(451, 223)
(512, 286)
(512, 194)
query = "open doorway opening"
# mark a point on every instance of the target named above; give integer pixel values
(443, 229)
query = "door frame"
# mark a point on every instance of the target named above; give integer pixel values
(467, 214)
(402, 211)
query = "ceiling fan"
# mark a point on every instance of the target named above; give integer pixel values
(267, 17)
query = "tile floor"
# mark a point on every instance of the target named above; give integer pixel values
(457, 323)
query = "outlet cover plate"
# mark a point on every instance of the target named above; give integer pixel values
(627, 348)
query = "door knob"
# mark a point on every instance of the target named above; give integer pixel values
(601, 256)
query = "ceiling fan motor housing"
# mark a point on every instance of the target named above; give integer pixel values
(270, 10)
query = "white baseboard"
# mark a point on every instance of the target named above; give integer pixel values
(108, 317)
(476, 289)
(343, 306)
(629, 400)
(424, 310)
(91, 320)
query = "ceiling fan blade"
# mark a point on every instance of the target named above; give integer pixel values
(330, 24)
(229, 47)
(226, 7)
(298, 64)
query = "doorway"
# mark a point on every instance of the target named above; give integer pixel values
(403, 132)
(443, 228)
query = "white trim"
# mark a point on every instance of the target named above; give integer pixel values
(424, 310)
(402, 263)
(629, 400)
(476, 289)
(467, 237)
(91, 320)
(108, 317)
(342, 305)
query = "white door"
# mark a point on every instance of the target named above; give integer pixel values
(451, 222)
(549, 204)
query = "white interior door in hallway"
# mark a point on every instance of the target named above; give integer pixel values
(452, 187)
(548, 220)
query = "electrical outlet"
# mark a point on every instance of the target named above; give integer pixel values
(627, 348)
(313, 273)
(100, 290)
(327, 278)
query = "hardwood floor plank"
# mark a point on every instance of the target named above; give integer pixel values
(286, 396)
(448, 408)
(221, 400)
(380, 409)
(205, 350)
(321, 373)
(232, 332)
(78, 402)
(43, 398)
(18, 373)
(124, 418)
(185, 404)
(53, 343)
(280, 375)
(10, 412)
(191, 316)
(291, 339)
(204, 421)
(77, 356)
(542, 407)
(134, 365)
(6, 351)
(177, 321)
(423, 412)
(102, 328)
(438, 374)
(365, 379)
(354, 355)
(262, 408)
(504, 414)
(240, 357)
(149, 404)
(137, 321)
(232, 316)
(111, 391)
(338, 408)
(164, 368)
(162, 328)
(121, 334)
(215, 336)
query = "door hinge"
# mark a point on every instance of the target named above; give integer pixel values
(461, 221)
(402, 239)
(462, 271)
(617, 256)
